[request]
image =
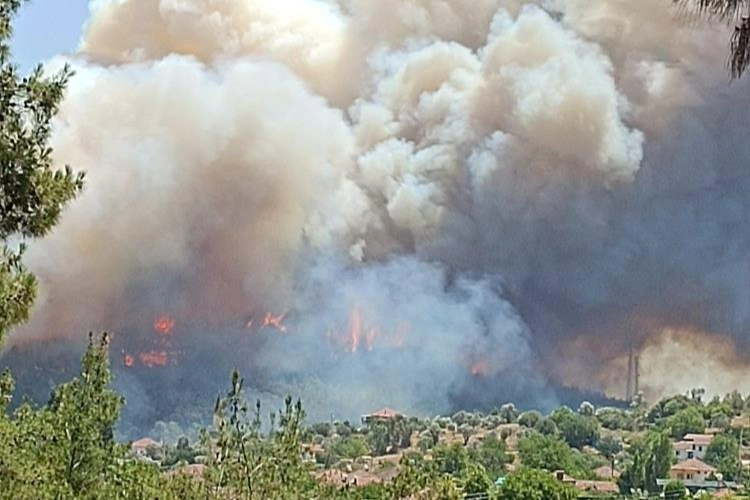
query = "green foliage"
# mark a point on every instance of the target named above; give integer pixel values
(648, 459)
(32, 193)
(615, 419)
(508, 413)
(608, 446)
(685, 421)
(182, 453)
(352, 447)
(546, 426)
(387, 436)
(723, 453)
(324, 429)
(450, 459)
(735, 401)
(415, 475)
(577, 430)
(428, 439)
(475, 480)
(675, 490)
(66, 449)
(491, 454)
(667, 407)
(251, 464)
(529, 419)
(445, 489)
(7, 384)
(460, 418)
(586, 409)
(551, 453)
(535, 485)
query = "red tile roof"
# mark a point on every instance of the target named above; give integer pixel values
(698, 438)
(684, 445)
(596, 486)
(693, 465)
(385, 413)
(145, 443)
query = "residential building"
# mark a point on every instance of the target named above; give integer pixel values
(692, 446)
(697, 476)
(142, 448)
(587, 486)
(382, 415)
(701, 439)
(691, 470)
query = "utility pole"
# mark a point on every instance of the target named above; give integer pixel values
(637, 376)
(629, 383)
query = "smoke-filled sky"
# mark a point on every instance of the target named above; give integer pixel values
(437, 193)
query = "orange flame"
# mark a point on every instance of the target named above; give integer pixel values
(480, 368)
(154, 358)
(354, 333)
(273, 321)
(164, 324)
(358, 334)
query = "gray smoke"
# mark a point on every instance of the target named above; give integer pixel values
(499, 190)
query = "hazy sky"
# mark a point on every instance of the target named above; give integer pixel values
(47, 27)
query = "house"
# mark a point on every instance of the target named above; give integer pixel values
(697, 476)
(311, 451)
(382, 415)
(587, 486)
(606, 472)
(692, 446)
(353, 479)
(691, 470)
(143, 447)
(701, 439)
(688, 450)
(742, 422)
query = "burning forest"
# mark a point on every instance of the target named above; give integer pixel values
(423, 204)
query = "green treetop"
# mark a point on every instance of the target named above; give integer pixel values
(32, 192)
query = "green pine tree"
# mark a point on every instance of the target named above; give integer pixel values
(32, 192)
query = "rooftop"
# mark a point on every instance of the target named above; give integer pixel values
(145, 443)
(698, 438)
(384, 413)
(693, 465)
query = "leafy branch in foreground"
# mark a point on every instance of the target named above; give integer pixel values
(732, 11)
(33, 193)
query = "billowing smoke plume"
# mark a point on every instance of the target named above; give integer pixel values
(378, 202)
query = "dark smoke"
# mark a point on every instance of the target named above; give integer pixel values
(505, 196)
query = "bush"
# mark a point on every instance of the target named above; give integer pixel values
(529, 419)
(535, 485)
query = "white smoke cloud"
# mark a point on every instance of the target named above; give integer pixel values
(511, 178)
